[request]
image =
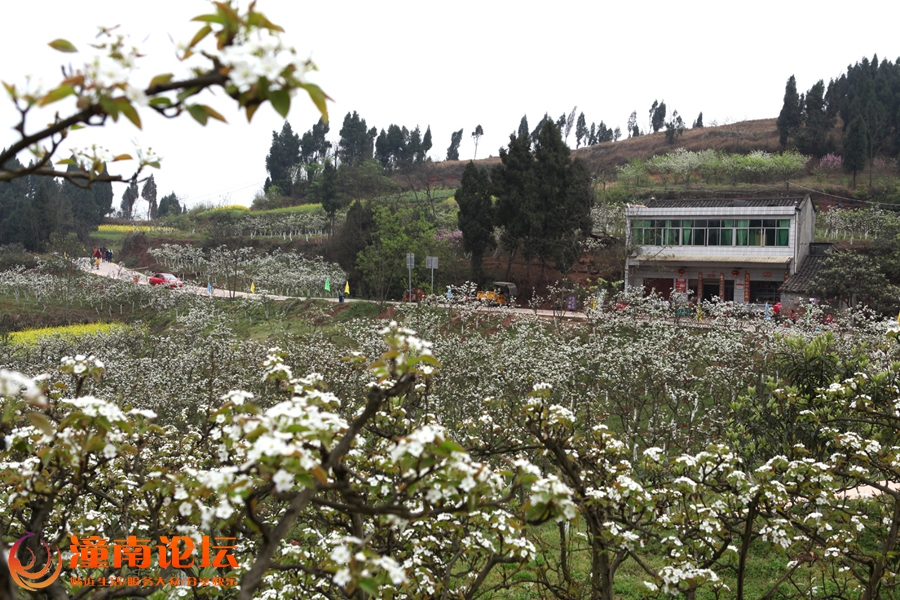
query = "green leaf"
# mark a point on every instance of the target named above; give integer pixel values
(198, 112)
(110, 107)
(161, 79)
(208, 19)
(63, 45)
(198, 37)
(281, 102)
(41, 422)
(130, 113)
(160, 101)
(318, 97)
(251, 108)
(57, 94)
(122, 157)
(10, 89)
(213, 113)
(65, 161)
(368, 585)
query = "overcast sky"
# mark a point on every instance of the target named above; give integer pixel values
(460, 64)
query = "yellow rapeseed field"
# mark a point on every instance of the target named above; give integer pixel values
(128, 228)
(31, 336)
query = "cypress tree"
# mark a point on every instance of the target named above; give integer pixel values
(855, 148)
(790, 118)
(475, 216)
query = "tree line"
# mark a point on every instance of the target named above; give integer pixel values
(866, 99)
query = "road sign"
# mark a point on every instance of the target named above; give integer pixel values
(410, 260)
(431, 262)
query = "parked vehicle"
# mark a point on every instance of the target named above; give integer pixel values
(166, 280)
(500, 293)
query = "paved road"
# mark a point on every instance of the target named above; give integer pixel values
(116, 271)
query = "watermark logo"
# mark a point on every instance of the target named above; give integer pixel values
(24, 576)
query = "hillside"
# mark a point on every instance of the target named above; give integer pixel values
(741, 137)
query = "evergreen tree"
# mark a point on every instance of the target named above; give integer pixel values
(455, 141)
(698, 124)
(475, 216)
(314, 149)
(326, 192)
(382, 151)
(855, 148)
(633, 129)
(77, 211)
(357, 143)
(581, 132)
(790, 118)
(658, 116)
(513, 185)
(412, 151)
(476, 135)
(426, 145)
(284, 154)
(129, 197)
(540, 126)
(523, 127)
(814, 137)
(169, 205)
(148, 193)
(103, 197)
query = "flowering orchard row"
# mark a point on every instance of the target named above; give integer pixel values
(407, 468)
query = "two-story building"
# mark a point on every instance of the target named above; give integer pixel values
(739, 249)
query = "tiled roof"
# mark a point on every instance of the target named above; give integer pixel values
(722, 202)
(799, 281)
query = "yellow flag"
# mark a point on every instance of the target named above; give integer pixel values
(252, 288)
(347, 290)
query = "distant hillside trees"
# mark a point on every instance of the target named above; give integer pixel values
(357, 143)
(869, 90)
(544, 199)
(399, 147)
(33, 208)
(170, 205)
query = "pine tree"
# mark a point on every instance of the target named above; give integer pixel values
(789, 120)
(475, 217)
(698, 124)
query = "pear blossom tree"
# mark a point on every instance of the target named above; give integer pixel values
(239, 52)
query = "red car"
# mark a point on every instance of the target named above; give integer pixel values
(167, 280)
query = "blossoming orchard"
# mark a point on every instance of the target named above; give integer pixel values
(244, 447)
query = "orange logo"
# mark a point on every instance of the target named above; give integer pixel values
(28, 579)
